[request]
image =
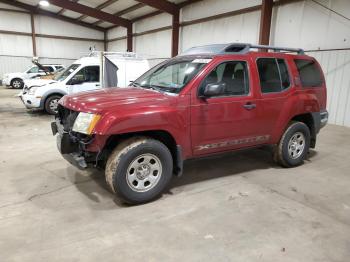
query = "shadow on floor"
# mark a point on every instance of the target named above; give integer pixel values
(197, 170)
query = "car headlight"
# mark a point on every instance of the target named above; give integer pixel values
(32, 90)
(85, 123)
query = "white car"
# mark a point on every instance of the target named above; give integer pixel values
(16, 80)
(119, 69)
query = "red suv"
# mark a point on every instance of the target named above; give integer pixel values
(209, 100)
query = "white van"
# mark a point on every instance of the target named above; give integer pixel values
(85, 74)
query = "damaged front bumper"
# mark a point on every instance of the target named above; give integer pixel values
(71, 148)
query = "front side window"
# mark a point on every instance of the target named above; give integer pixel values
(171, 76)
(34, 69)
(233, 75)
(62, 76)
(273, 74)
(87, 74)
(310, 75)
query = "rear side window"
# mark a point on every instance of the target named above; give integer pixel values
(273, 73)
(310, 75)
(48, 68)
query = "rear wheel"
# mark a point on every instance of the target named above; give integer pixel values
(51, 104)
(294, 145)
(17, 83)
(139, 169)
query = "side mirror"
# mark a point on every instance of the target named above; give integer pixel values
(76, 81)
(214, 89)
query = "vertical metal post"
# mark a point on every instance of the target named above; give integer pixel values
(175, 34)
(33, 34)
(105, 41)
(129, 38)
(265, 22)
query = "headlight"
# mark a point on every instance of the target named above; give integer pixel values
(32, 90)
(85, 123)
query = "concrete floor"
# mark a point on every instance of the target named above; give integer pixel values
(237, 207)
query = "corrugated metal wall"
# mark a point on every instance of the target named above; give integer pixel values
(336, 67)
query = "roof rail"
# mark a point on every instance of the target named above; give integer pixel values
(236, 48)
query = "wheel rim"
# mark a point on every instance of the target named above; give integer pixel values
(144, 173)
(296, 145)
(53, 105)
(16, 84)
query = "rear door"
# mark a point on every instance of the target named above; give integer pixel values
(275, 87)
(227, 121)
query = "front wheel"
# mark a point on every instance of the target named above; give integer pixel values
(139, 169)
(294, 145)
(17, 83)
(51, 104)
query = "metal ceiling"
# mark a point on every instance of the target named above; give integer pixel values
(98, 13)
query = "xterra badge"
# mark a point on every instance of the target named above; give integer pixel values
(241, 141)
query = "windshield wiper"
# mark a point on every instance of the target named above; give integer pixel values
(153, 87)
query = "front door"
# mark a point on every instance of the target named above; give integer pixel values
(226, 121)
(87, 78)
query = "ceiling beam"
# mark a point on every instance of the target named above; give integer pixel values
(162, 5)
(89, 11)
(124, 11)
(99, 7)
(34, 10)
(64, 10)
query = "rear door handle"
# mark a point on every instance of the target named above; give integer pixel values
(249, 106)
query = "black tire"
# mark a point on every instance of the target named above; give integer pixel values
(120, 164)
(17, 83)
(49, 102)
(287, 153)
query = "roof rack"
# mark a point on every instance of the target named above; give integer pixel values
(236, 48)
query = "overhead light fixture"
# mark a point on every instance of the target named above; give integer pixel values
(44, 3)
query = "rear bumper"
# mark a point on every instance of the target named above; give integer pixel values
(71, 149)
(324, 118)
(6, 82)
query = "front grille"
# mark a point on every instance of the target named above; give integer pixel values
(66, 117)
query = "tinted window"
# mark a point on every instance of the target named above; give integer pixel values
(233, 74)
(48, 68)
(309, 73)
(273, 73)
(88, 74)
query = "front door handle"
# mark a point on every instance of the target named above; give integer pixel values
(249, 106)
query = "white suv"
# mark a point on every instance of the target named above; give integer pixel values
(16, 80)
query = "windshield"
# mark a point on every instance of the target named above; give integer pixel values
(63, 75)
(171, 76)
(32, 69)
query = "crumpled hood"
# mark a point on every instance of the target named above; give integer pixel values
(112, 99)
(38, 82)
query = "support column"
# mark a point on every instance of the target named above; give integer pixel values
(175, 34)
(105, 41)
(265, 22)
(33, 34)
(129, 38)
